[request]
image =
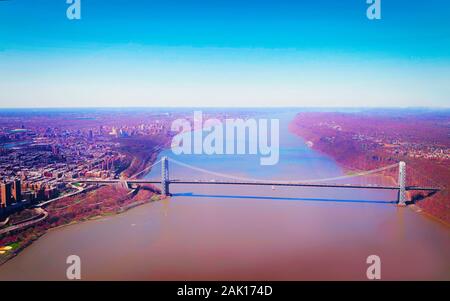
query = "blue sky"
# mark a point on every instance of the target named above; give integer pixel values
(224, 53)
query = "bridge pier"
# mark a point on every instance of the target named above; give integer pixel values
(402, 184)
(165, 176)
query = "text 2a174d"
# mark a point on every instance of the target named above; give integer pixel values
(246, 290)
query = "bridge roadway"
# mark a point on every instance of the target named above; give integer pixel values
(214, 182)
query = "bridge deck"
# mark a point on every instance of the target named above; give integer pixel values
(354, 186)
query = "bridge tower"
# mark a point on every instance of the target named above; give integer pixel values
(165, 176)
(402, 183)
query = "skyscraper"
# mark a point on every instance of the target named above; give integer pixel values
(17, 190)
(2, 202)
(5, 193)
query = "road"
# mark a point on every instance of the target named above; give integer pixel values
(43, 215)
(80, 190)
(42, 211)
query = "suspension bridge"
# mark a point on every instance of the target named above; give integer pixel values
(402, 188)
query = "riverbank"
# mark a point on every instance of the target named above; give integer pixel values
(37, 215)
(370, 141)
(85, 205)
(76, 209)
(141, 152)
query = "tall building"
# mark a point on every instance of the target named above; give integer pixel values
(2, 202)
(5, 193)
(17, 190)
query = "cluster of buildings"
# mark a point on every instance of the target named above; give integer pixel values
(38, 159)
(423, 152)
(155, 128)
(392, 145)
(34, 166)
(395, 146)
(10, 192)
(16, 194)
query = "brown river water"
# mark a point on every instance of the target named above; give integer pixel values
(214, 232)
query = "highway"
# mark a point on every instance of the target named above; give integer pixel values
(43, 215)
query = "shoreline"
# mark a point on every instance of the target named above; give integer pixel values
(22, 246)
(415, 208)
(311, 138)
(346, 169)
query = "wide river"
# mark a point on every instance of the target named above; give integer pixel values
(212, 232)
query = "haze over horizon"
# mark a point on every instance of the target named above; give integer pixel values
(199, 53)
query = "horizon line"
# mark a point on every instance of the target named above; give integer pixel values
(231, 107)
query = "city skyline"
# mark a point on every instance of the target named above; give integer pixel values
(224, 54)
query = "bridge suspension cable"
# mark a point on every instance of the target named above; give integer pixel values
(228, 176)
(145, 169)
